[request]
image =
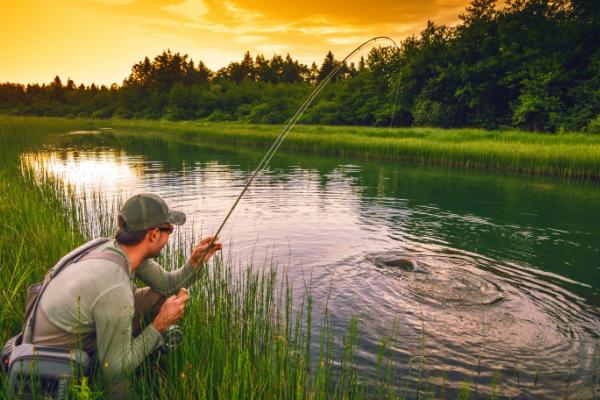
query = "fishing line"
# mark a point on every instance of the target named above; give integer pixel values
(292, 122)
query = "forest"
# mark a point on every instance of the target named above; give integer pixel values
(529, 64)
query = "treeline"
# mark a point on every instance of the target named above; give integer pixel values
(534, 64)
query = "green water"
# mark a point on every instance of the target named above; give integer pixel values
(508, 272)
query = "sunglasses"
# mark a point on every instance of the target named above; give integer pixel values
(168, 229)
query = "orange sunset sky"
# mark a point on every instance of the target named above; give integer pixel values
(99, 40)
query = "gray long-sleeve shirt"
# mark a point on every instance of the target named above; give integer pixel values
(92, 301)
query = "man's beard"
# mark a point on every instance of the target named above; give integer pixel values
(155, 254)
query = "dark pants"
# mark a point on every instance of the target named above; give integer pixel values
(147, 304)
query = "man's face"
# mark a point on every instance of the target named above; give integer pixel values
(158, 238)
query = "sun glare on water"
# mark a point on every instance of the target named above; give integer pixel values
(106, 168)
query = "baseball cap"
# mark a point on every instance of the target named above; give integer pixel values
(146, 210)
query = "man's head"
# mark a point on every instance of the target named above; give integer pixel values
(145, 219)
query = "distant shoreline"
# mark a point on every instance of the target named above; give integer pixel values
(568, 155)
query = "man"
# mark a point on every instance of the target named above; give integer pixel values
(94, 303)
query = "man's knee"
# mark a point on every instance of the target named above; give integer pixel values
(147, 304)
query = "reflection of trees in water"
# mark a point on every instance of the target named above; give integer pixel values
(531, 220)
(546, 223)
(483, 213)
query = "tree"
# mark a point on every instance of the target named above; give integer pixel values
(242, 71)
(70, 86)
(202, 74)
(292, 71)
(141, 74)
(362, 66)
(276, 65)
(57, 89)
(533, 64)
(262, 68)
(329, 64)
(164, 71)
(313, 74)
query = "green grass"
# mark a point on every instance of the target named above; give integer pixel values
(245, 338)
(35, 226)
(571, 155)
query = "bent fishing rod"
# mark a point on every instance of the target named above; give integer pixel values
(289, 125)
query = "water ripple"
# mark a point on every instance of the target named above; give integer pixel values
(489, 294)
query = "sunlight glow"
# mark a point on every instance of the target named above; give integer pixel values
(105, 169)
(99, 41)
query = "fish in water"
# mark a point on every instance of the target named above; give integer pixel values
(395, 260)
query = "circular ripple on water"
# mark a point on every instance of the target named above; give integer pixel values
(456, 287)
(475, 310)
(435, 280)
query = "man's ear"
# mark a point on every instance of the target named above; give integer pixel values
(152, 235)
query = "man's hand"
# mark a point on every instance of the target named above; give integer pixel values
(201, 249)
(170, 312)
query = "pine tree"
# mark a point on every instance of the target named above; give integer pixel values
(329, 64)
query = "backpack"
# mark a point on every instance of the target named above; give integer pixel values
(54, 367)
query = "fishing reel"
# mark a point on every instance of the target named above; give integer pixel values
(172, 337)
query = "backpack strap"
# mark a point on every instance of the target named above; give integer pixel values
(108, 256)
(83, 252)
(75, 255)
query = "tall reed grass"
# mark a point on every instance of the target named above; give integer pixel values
(36, 227)
(246, 337)
(243, 336)
(569, 155)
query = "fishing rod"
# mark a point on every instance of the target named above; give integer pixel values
(290, 124)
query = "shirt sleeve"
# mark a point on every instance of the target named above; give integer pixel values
(166, 282)
(118, 352)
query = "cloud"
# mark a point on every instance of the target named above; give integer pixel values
(347, 40)
(272, 48)
(240, 29)
(113, 2)
(241, 13)
(99, 40)
(327, 29)
(307, 29)
(250, 39)
(353, 12)
(188, 8)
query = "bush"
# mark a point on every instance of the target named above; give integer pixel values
(324, 112)
(593, 126)
(123, 112)
(103, 113)
(219, 116)
(428, 113)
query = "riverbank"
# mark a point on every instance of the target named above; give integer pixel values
(244, 337)
(36, 227)
(569, 155)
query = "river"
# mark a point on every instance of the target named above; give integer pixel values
(498, 282)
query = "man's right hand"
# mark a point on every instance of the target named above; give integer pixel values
(203, 249)
(170, 312)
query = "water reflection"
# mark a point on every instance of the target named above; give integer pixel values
(509, 266)
(103, 168)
